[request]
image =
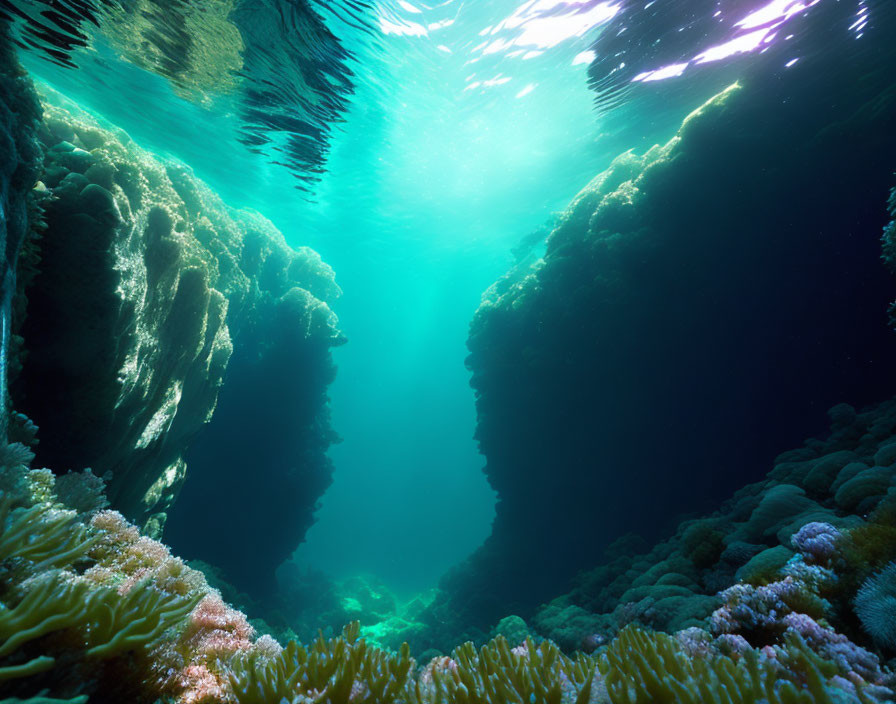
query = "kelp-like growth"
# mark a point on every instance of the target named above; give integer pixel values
(653, 668)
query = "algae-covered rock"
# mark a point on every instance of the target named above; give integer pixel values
(148, 287)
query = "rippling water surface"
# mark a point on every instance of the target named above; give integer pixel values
(420, 147)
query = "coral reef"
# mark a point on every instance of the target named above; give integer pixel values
(95, 611)
(676, 316)
(777, 542)
(148, 289)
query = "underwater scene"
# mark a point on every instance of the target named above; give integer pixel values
(448, 351)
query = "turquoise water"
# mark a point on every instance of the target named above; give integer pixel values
(456, 130)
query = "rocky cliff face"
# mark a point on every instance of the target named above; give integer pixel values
(697, 309)
(146, 286)
(19, 167)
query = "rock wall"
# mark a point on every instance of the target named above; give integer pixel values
(19, 168)
(697, 310)
(147, 286)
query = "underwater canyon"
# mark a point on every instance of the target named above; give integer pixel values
(476, 353)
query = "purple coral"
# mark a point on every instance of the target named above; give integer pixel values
(836, 647)
(817, 542)
(749, 608)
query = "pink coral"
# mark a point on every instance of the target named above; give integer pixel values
(216, 631)
(202, 686)
(193, 666)
(125, 558)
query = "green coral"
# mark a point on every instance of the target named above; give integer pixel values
(640, 667)
(344, 669)
(41, 540)
(328, 671)
(46, 537)
(120, 623)
(496, 674)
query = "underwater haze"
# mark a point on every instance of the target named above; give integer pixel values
(448, 351)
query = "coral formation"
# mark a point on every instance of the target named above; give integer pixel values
(93, 610)
(775, 556)
(642, 668)
(147, 294)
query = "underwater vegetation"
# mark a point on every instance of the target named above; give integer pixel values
(876, 606)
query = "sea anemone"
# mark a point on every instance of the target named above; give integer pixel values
(876, 606)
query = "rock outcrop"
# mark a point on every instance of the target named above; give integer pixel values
(147, 286)
(19, 167)
(697, 309)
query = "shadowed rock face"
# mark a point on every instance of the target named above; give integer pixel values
(19, 168)
(146, 287)
(696, 312)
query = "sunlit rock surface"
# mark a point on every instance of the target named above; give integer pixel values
(697, 310)
(147, 285)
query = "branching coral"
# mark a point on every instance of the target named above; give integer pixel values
(346, 670)
(36, 542)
